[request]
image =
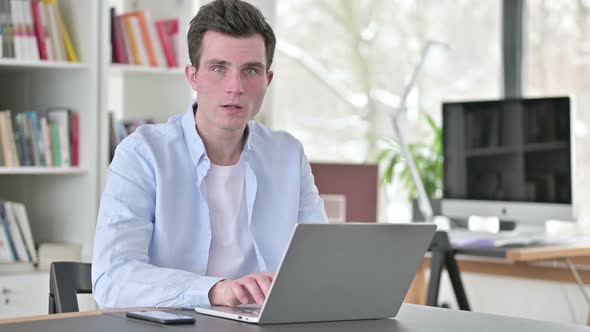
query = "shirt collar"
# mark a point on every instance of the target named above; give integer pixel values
(195, 143)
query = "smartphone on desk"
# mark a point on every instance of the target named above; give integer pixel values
(162, 317)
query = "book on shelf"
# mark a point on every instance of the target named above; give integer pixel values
(137, 39)
(119, 129)
(43, 139)
(17, 247)
(34, 30)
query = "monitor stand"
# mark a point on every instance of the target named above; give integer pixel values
(443, 255)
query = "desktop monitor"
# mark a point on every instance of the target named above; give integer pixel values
(510, 159)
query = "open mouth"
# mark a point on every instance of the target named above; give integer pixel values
(233, 107)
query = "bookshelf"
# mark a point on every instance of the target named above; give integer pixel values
(139, 91)
(61, 208)
(61, 202)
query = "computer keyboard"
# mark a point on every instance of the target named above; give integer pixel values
(464, 238)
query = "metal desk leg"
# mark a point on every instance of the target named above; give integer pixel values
(455, 276)
(436, 267)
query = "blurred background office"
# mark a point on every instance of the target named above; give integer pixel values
(340, 68)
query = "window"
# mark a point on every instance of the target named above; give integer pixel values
(339, 62)
(557, 51)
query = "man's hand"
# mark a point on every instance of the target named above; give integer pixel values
(252, 288)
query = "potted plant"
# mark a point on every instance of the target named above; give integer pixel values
(428, 158)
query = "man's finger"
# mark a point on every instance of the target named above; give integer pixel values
(264, 284)
(254, 289)
(270, 275)
(240, 293)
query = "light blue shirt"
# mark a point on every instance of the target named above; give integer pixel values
(153, 232)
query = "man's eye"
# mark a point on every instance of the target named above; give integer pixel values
(251, 71)
(218, 69)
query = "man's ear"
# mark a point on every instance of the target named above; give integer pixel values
(191, 75)
(269, 77)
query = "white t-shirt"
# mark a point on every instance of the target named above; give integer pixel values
(231, 254)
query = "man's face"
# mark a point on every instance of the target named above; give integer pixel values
(230, 82)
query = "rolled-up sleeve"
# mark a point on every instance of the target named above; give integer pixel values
(122, 274)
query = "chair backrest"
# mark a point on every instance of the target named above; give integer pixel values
(66, 279)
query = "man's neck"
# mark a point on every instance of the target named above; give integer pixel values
(224, 148)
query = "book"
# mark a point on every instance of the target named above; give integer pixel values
(10, 148)
(57, 161)
(19, 140)
(17, 249)
(159, 51)
(28, 30)
(8, 235)
(5, 251)
(6, 26)
(25, 139)
(37, 136)
(118, 49)
(70, 51)
(39, 28)
(62, 119)
(141, 47)
(44, 21)
(14, 232)
(57, 46)
(48, 141)
(5, 141)
(165, 29)
(75, 138)
(18, 30)
(20, 213)
(31, 140)
(126, 43)
(132, 39)
(146, 39)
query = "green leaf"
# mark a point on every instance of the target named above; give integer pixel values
(382, 155)
(388, 175)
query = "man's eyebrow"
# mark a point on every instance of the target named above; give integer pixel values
(216, 62)
(254, 64)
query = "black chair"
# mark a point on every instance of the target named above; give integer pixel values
(66, 279)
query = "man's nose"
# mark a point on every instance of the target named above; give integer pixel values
(234, 84)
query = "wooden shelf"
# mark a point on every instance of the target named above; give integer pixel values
(531, 147)
(32, 170)
(28, 64)
(135, 69)
(491, 151)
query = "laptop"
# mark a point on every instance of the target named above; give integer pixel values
(333, 272)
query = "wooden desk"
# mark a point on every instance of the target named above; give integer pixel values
(541, 263)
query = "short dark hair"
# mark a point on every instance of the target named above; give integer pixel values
(234, 18)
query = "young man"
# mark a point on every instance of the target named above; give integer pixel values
(200, 210)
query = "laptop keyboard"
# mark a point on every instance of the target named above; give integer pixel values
(246, 311)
